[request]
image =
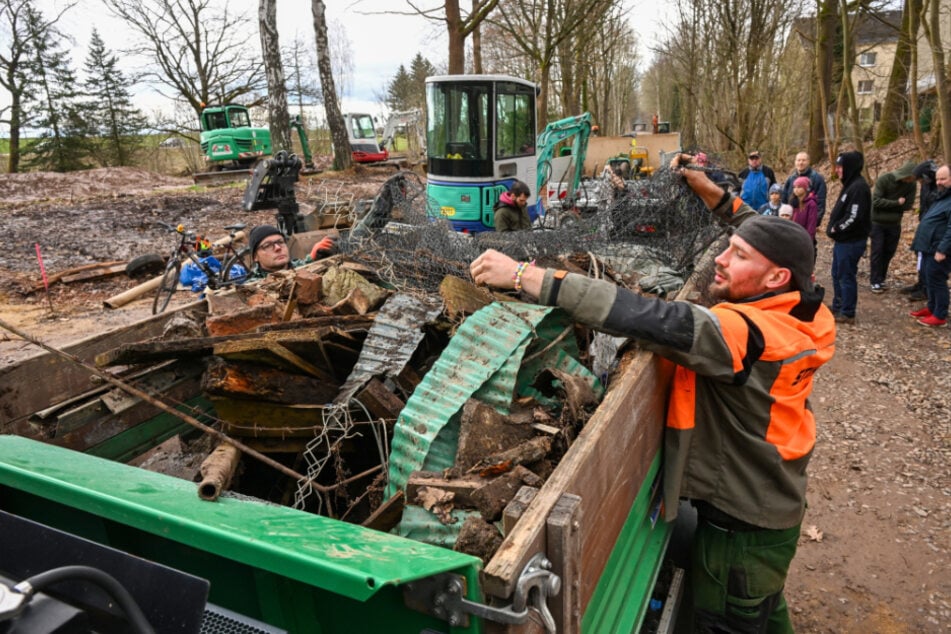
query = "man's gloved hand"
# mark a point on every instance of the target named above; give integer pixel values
(323, 248)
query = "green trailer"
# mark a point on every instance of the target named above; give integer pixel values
(580, 554)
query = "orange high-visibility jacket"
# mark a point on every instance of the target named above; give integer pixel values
(740, 431)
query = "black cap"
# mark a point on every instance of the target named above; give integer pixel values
(784, 243)
(259, 233)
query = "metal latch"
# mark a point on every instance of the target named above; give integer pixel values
(443, 596)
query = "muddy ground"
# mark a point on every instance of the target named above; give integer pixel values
(874, 554)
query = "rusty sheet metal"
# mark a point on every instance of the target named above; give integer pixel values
(391, 341)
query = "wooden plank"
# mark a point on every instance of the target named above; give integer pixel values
(516, 508)
(605, 467)
(42, 380)
(269, 353)
(58, 276)
(256, 418)
(461, 488)
(387, 515)
(162, 349)
(564, 551)
(101, 429)
(95, 274)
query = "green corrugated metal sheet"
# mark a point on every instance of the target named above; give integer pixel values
(485, 360)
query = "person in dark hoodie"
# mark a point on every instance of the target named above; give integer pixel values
(893, 195)
(511, 212)
(849, 224)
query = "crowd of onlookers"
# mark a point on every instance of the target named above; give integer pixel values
(865, 217)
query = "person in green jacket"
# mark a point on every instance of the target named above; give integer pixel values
(894, 194)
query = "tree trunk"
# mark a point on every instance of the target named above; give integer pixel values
(343, 157)
(932, 26)
(476, 43)
(819, 133)
(16, 117)
(894, 109)
(457, 41)
(276, 88)
(913, 70)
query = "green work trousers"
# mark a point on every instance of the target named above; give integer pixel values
(737, 579)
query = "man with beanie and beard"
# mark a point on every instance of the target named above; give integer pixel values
(270, 253)
(740, 430)
(849, 225)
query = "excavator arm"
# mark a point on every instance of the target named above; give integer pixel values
(577, 128)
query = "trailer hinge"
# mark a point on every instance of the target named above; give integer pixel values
(443, 596)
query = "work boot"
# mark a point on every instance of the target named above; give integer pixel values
(917, 296)
(911, 288)
(844, 319)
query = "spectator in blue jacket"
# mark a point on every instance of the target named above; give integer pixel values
(757, 179)
(933, 241)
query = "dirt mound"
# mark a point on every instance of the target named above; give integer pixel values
(16, 189)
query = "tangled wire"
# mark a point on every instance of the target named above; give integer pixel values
(659, 218)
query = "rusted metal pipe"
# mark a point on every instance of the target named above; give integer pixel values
(216, 470)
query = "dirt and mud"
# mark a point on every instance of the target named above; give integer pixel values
(874, 553)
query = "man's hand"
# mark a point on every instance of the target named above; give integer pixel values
(697, 179)
(939, 257)
(498, 270)
(323, 248)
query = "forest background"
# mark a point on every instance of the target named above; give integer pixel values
(731, 76)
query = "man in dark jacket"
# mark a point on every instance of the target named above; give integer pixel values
(511, 211)
(925, 175)
(894, 194)
(933, 241)
(803, 168)
(270, 253)
(740, 431)
(849, 226)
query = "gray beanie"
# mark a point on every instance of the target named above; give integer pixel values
(784, 243)
(259, 233)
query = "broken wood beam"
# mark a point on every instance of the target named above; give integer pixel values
(242, 380)
(95, 274)
(379, 401)
(387, 515)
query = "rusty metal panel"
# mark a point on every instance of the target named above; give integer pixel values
(391, 341)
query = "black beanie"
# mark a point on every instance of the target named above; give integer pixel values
(784, 243)
(259, 233)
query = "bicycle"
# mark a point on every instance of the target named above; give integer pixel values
(235, 270)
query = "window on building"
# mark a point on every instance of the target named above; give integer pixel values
(867, 59)
(865, 86)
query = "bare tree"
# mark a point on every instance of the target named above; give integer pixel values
(199, 50)
(274, 68)
(895, 107)
(539, 29)
(338, 130)
(19, 19)
(458, 26)
(931, 23)
(303, 87)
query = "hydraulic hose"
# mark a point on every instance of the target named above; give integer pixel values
(115, 590)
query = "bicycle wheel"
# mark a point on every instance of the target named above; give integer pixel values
(167, 287)
(237, 268)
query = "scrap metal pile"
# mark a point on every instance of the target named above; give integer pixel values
(397, 394)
